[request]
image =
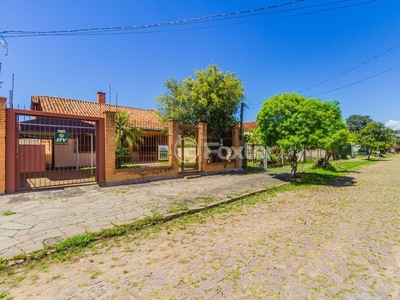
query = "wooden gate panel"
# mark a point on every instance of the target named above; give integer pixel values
(32, 158)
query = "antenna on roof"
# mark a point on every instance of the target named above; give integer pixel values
(116, 99)
(11, 94)
(0, 74)
(109, 92)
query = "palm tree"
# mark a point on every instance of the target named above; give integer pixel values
(126, 136)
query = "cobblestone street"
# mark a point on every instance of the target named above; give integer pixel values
(337, 241)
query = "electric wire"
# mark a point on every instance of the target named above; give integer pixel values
(347, 85)
(151, 25)
(106, 31)
(351, 69)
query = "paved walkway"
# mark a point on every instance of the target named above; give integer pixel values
(48, 216)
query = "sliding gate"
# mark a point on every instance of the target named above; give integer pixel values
(55, 150)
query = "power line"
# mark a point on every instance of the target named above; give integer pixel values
(351, 69)
(124, 29)
(238, 23)
(58, 32)
(342, 87)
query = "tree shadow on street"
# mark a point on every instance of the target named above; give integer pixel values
(316, 179)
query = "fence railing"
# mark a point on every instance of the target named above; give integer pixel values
(219, 149)
(151, 150)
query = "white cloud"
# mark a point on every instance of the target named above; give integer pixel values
(393, 124)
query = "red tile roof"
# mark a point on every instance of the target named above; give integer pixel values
(143, 118)
(249, 125)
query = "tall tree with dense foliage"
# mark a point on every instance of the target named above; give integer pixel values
(211, 96)
(355, 123)
(293, 122)
(376, 136)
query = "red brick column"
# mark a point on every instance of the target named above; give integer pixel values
(173, 130)
(109, 145)
(3, 102)
(236, 143)
(201, 143)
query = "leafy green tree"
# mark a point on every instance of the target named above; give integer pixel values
(126, 135)
(376, 136)
(254, 142)
(333, 133)
(211, 96)
(355, 123)
(293, 122)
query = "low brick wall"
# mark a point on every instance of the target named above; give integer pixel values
(124, 176)
(115, 176)
(219, 166)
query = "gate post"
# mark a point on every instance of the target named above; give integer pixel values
(202, 145)
(236, 143)
(110, 145)
(173, 131)
(3, 108)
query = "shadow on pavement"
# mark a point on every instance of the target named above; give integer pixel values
(316, 179)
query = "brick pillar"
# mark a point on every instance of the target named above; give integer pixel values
(173, 130)
(236, 143)
(202, 144)
(109, 145)
(3, 101)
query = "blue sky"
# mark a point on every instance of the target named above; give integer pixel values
(272, 52)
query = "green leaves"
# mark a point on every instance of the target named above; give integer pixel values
(212, 97)
(125, 133)
(375, 135)
(292, 122)
(356, 123)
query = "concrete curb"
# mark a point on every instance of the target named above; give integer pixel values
(172, 216)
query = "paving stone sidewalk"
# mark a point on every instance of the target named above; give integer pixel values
(49, 216)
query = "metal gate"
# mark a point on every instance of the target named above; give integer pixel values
(52, 150)
(188, 149)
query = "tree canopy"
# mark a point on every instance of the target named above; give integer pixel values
(211, 96)
(293, 122)
(355, 123)
(376, 136)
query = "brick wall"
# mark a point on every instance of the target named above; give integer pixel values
(3, 101)
(173, 131)
(219, 166)
(112, 176)
(202, 140)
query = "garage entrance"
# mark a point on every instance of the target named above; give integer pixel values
(53, 150)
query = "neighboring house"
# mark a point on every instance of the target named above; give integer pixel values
(148, 120)
(249, 125)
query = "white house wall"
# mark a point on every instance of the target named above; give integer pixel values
(64, 156)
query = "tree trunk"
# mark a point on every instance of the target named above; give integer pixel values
(369, 151)
(293, 164)
(328, 154)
